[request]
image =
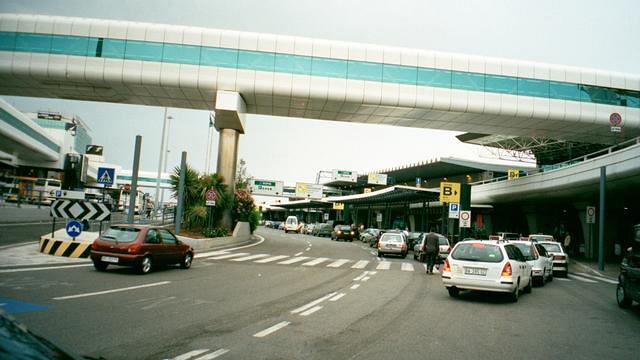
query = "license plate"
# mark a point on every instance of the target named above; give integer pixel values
(475, 271)
(110, 259)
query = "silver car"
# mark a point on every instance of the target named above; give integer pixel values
(392, 243)
(540, 260)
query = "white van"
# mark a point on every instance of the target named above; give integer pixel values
(292, 224)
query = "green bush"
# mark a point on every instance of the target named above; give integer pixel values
(216, 232)
(254, 219)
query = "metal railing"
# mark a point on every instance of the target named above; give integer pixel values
(567, 163)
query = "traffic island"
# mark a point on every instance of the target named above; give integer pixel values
(241, 236)
(61, 244)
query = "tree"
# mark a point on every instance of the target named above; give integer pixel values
(242, 177)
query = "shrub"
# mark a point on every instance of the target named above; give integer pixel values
(254, 219)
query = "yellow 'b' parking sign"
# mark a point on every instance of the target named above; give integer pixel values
(449, 192)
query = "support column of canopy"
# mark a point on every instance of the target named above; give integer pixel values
(230, 111)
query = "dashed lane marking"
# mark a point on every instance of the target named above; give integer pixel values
(213, 355)
(337, 297)
(190, 354)
(366, 278)
(228, 256)
(313, 303)
(338, 263)
(43, 268)
(310, 311)
(406, 267)
(293, 260)
(316, 262)
(361, 276)
(272, 329)
(271, 259)
(250, 257)
(298, 254)
(384, 265)
(111, 291)
(355, 286)
(579, 278)
(360, 264)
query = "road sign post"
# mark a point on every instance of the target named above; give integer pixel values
(73, 229)
(454, 210)
(210, 198)
(465, 219)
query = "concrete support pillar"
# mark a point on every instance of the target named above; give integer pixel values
(230, 111)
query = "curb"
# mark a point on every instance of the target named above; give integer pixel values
(66, 248)
(590, 269)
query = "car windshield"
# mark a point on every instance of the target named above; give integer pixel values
(555, 248)
(525, 249)
(478, 252)
(344, 227)
(443, 241)
(120, 234)
(391, 238)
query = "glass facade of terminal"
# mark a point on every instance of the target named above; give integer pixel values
(316, 66)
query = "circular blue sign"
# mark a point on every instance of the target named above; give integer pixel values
(73, 228)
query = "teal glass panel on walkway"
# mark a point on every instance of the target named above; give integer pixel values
(360, 70)
(564, 91)
(293, 64)
(501, 84)
(533, 87)
(112, 48)
(467, 81)
(434, 77)
(33, 43)
(181, 54)
(328, 67)
(219, 57)
(256, 60)
(7, 41)
(141, 50)
(399, 74)
(69, 46)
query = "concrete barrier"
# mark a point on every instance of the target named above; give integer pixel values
(241, 235)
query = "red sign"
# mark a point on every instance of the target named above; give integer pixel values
(211, 195)
(615, 119)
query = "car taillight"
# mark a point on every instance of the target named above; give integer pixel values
(403, 246)
(133, 248)
(94, 246)
(449, 250)
(559, 257)
(506, 270)
(446, 267)
(379, 245)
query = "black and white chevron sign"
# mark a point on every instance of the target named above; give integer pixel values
(79, 210)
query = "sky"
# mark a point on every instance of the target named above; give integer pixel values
(594, 34)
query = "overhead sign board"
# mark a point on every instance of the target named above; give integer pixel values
(309, 191)
(449, 192)
(377, 179)
(344, 175)
(454, 210)
(105, 176)
(338, 206)
(591, 214)
(266, 187)
(465, 219)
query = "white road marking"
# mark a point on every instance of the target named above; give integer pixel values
(361, 276)
(312, 304)
(598, 278)
(338, 263)
(213, 355)
(366, 278)
(251, 257)
(311, 311)
(293, 260)
(43, 268)
(406, 267)
(210, 253)
(298, 254)
(316, 262)
(561, 279)
(372, 272)
(307, 249)
(227, 256)
(337, 297)
(360, 264)
(425, 267)
(111, 291)
(355, 286)
(272, 329)
(579, 278)
(246, 246)
(273, 258)
(384, 265)
(190, 354)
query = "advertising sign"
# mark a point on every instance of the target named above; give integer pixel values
(266, 187)
(309, 191)
(377, 179)
(344, 175)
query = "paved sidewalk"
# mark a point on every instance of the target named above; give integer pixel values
(611, 269)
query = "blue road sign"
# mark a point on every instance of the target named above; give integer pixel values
(105, 176)
(74, 228)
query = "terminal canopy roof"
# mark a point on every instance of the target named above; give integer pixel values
(306, 204)
(390, 195)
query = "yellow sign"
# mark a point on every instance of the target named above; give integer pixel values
(338, 206)
(513, 174)
(301, 188)
(449, 192)
(367, 190)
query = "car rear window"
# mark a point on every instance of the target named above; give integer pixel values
(391, 237)
(443, 241)
(525, 249)
(344, 227)
(120, 234)
(478, 252)
(552, 247)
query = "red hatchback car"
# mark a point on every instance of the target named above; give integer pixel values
(139, 246)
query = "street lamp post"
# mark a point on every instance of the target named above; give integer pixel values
(163, 145)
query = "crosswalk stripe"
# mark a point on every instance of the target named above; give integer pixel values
(406, 267)
(600, 278)
(360, 264)
(384, 265)
(213, 355)
(210, 253)
(227, 256)
(315, 262)
(579, 278)
(338, 263)
(271, 259)
(250, 257)
(293, 260)
(190, 354)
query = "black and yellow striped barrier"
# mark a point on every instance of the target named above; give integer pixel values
(67, 248)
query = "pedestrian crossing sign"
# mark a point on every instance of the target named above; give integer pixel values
(105, 176)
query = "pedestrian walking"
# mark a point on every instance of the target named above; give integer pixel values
(567, 243)
(431, 251)
(148, 206)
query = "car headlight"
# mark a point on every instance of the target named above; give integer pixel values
(338, 232)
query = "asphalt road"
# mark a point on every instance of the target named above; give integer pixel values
(337, 301)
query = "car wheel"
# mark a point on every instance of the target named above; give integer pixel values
(99, 265)
(186, 261)
(624, 301)
(453, 291)
(404, 255)
(380, 254)
(516, 293)
(550, 278)
(530, 285)
(146, 265)
(414, 256)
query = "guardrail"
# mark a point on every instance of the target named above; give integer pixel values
(564, 164)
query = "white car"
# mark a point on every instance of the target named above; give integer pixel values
(487, 265)
(560, 257)
(541, 262)
(292, 224)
